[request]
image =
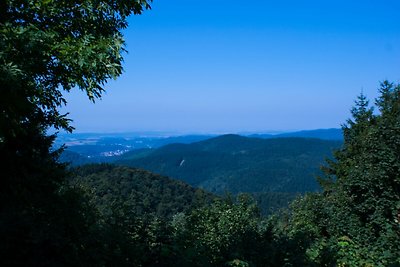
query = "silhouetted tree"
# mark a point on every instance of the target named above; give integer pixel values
(47, 47)
(355, 221)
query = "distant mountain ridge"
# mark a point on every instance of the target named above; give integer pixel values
(104, 148)
(91, 148)
(325, 134)
(240, 164)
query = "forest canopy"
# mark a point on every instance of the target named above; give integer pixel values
(49, 219)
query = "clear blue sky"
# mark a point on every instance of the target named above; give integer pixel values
(246, 66)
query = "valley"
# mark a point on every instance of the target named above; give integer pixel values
(273, 170)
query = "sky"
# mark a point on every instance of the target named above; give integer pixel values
(228, 66)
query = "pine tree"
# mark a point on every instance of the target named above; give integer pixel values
(358, 212)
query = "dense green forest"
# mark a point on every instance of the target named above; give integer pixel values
(73, 159)
(52, 215)
(129, 217)
(139, 191)
(233, 163)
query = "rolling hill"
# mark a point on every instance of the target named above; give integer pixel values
(102, 148)
(141, 192)
(233, 163)
(325, 134)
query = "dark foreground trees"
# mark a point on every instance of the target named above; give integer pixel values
(47, 47)
(355, 221)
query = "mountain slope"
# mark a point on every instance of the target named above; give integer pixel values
(73, 158)
(325, 134)
(239, 164)
(140, 191)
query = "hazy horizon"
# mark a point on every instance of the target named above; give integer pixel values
(177, 133)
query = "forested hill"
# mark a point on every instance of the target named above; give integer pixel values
(84, 148)
(139, 191)
(325, 134)
(240, 164)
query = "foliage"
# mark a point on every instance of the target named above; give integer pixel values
(355, 221)
(136, 191)
(103, 220)
(226, 233)
(51, 45)
(46, 47)
(73, 159)
(270, 203)
(150, 220)
(232, 163)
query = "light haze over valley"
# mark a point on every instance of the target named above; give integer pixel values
(201, 133)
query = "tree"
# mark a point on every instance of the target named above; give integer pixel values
(51, 45)
(355, 221)
(225, 233)
(47, 47)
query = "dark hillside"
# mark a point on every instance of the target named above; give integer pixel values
(240, 164)
(140, 191)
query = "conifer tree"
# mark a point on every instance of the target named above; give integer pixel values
(358, 212)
